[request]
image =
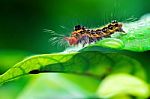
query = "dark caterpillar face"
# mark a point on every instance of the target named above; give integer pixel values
(79, 27)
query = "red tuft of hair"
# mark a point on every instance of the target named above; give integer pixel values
(71, 40)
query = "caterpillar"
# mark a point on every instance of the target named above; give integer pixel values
(82, 35)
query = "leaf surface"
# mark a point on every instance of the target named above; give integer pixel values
(89, 63)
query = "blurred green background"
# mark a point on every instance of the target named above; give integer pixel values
(23, 21)
(22, 24)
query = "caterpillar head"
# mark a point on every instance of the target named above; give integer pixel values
(75, 35)
(79, 27)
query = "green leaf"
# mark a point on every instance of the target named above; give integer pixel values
(119, 85)
(90, 63)
(8, 58)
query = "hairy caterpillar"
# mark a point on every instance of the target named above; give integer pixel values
(84, 36)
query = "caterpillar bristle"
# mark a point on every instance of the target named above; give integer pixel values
(56, 39)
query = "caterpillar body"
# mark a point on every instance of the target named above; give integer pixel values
(82, 35)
